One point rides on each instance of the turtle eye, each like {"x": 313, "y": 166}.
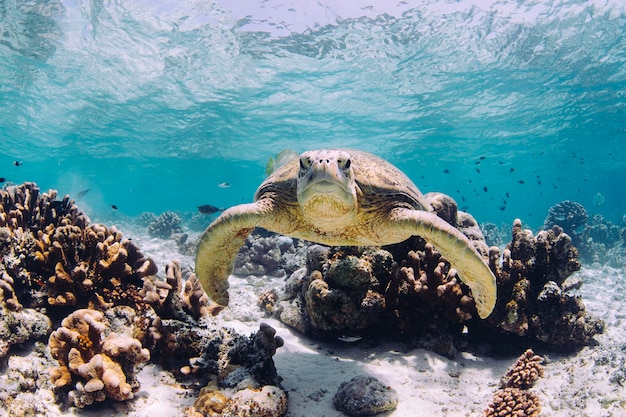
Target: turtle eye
{"x": 305, "y": 162}
{"x": 347, "y": 164}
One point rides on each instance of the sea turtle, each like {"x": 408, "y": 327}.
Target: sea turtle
{"x": 338, "y": 197}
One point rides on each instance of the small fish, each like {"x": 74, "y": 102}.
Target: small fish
{"x": 507, "y": 195}
{"x": 82, "y": 193}
{"x": 512, "y": 170}
{"x": 521, "y": 181}
{"x": 224, "y": 185}
{"x": 113, "y": 206}
{"x": 17, "y": 163}
{"x": 477, "y": 162}
{"x": 485, "y": 189}
{"x": 502, "y": 208}
{"x": 478, "y": 170}
{"x": 446, "y": 171}
{"x": 208, "y": 209}
{"x": 349, "y": 339}
{"x": 481, "y": 158}
{"x": 2, "y": 179}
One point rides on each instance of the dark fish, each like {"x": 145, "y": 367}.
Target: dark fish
{"x": 447, "y": 171}
{"x": 2, "y": 179}
{"x": 507, "y": 195}
{"x": 481, "y": 158}
{"x": 478, "y": 170}
{"x": 512, "y": 170}
{"x": 57, "y": 205}
{"x": 477, "y": 162}
{"x": 113, "y": 206}
{"x": 82, "y": 193}
{"x": 485, "y": 189}
{"x": 502, "y": 208}
{"x": 17, "y": 163}
{"x": 521, "y": 181}
{"x": 209, "y": 209}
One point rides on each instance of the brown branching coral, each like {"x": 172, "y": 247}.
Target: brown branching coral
{"x": 525, "y": 372}
{"x": 513, "y": 398}
{"x": 534, "y": 296}
{"x": 52, "y": 257}
{"x": 99, "y": 362}
{"x": 513, "y": 402}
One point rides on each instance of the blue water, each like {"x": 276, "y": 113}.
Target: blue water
{"x": 152, "y": 104}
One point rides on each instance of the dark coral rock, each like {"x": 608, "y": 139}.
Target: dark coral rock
{"x": 220, "y": 352}
{"x": 572, "y": 217}
{"x": 534, "y": 296}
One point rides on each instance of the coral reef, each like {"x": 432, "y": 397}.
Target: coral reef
{"x": 571, "y": 217}
{"x": 115, "y": 312}
{"x": 165, "y": 225}
{"x": 410, "y": 289}
{"x": 535, "y": 296}
{"x": 98, "y": 362}
{"x": 52, "y": 257}
{"x": 267, "y": 253}
{"x": 365, "y": 396}
{"x": 513, "y": 398}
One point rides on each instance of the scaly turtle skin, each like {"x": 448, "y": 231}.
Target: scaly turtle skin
{"x": 338, "y": 197}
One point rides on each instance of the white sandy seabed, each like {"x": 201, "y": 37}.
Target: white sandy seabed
{"x": 583, "y": 384}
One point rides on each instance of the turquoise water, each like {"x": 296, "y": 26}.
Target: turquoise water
{"x": 152, "y": 104}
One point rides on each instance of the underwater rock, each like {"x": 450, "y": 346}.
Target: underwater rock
{"x": 365, "y": 396}
{"x": 99, "y": 362}
{"x": 25, "y": 388}
{"x": 165, "y": 225}
{"x": 21, "y": 326}
{"x": 267, "y": 401}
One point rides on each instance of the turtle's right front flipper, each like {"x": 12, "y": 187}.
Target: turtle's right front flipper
{"x": 219, "y": 244}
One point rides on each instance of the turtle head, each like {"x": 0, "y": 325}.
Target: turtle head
{"x": 326, "y": 188}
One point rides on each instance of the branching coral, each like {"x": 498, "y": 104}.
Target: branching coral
{"x": 513, "y": 398}
{"x": 513, "y": 402}
{"x": 100, "y": 363}
{"x": 534, "y": 294}
{"x": 525, "y": 371}
{"x": 52, "y": 257}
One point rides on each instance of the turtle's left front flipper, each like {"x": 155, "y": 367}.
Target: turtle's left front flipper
{"x": 218, "y": 247}
{"x": 456, "y": 248}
